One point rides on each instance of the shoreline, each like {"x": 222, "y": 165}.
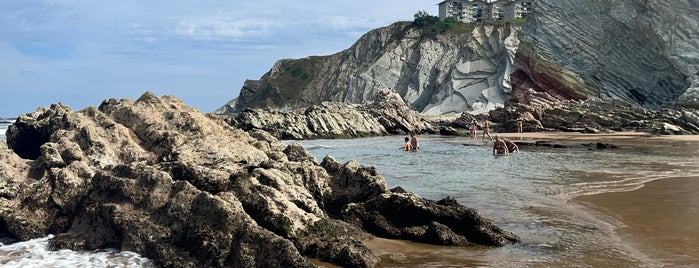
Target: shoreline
{"x": 625, "y": 137}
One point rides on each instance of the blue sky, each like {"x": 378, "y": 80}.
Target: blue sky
{"x": 80, "y": 52}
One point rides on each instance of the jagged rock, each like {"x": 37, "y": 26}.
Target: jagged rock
{"x": 594, "y": 116}
{"x": 386, "y": 114}
{"x": 157, "y": 177}
{"x": 407, "y": 216}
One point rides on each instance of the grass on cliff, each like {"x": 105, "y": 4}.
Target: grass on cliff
{"x": 295, "y": 75}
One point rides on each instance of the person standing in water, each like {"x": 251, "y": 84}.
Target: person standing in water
{"x": 519, "y": 125}
{"x": 413, "y": 141}
{"x": 511, "y": 146}
{"x": 408, "y": 146}
{"x": 474, "y": 129}
{"x": 486, "y": 130}
{"x": 500, "y": 147}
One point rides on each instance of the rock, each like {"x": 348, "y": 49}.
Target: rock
{"x": 595, "y": 116}
{"x": 159, "y": 178}
{"x": 448, "y": 131}
{"x": 407, "y": 216}
{"x": 386, "y": 114}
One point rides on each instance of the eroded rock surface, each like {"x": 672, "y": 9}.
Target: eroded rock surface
{"x": 385, "y": 114}
{"x": 185, "y": 189}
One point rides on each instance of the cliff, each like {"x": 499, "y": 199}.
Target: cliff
{"x": 642, "y": 52}
{"x": 434, "y": 73}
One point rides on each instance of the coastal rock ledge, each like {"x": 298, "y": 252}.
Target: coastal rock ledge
{"x": 185, "y": 189}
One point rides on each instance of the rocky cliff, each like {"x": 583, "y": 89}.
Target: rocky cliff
{"x": 157, "y": 177}
{"x": 642, "y": 52}
{"x": 433, "y": 73}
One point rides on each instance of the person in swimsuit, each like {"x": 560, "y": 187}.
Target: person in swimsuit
{"x": 519, "y": 125}
{"x": 474, "y": 129}
{"x": 511, "y": 146}
{"x": 486, "y": 130}
{"x": 407, "y": 145}
{"x": 414, "y": 142}
{"x": 500, "y": 147}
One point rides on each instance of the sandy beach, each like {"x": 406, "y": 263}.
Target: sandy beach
{"x": 625, "y": 137}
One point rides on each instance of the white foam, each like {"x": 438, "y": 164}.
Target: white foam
{"x": 36, "y": 253}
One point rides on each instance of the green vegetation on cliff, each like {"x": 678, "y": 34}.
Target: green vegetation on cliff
{"x": 432, "y": 25}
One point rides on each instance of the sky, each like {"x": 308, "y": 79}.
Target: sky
{"x": 81, "y": 52}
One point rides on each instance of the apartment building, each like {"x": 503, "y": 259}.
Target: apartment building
{"x": 482, "y": 11}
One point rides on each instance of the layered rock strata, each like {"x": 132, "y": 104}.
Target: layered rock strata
{"x": 545, "y": 113}
{"x": 385, "y": 114}
{"x": 185, "y": 189}
{"x": 642, "y": 52}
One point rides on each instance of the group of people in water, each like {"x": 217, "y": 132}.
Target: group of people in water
{"x": 501, "y": 146}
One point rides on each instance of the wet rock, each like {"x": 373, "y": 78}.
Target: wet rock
{"x": 407, "y": 216}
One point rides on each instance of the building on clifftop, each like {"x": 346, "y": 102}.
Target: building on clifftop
{"x": 482, "y": 11}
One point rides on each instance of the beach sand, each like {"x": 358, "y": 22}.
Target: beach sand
{"x": 627, "y": 137}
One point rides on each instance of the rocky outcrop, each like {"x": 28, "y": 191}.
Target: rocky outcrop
{"x": 466, "y": 70}
{"x": 594, "y": 116}
{"x": 159, "y": 178}
{"x": 385, "y": 114}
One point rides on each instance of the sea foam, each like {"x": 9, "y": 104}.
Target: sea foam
{"x": 36, "y": 253}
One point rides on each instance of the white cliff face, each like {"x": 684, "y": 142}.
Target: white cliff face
{"x": 443, "y": 75}
{"x": 437, "y": 74}
{"x": 644, "y": 52}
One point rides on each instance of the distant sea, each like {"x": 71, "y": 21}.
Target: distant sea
{"x": 4, "y": 123}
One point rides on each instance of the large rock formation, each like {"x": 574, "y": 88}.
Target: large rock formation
{"x": 184, "y": 189}
{"x": 434, "y": 74}
{"x": 385, "y": 114}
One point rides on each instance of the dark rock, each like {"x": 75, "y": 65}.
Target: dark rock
{"x": 407, "y": 216}
{"x": 448, "y": 131}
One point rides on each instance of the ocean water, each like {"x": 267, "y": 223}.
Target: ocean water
{"x": 570, "y": 206}
{"x": 4, "y": 123}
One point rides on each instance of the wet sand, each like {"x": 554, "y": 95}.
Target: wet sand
{"x": 661, "y": 219}
{"x": 627, "y": 137}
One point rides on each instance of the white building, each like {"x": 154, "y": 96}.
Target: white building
{"x": 482, "y": 11}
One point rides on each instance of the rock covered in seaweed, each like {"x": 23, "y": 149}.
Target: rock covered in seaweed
{"x": 157, "y": 177}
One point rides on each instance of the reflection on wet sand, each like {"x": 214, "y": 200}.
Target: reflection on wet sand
{"x": 661, "y": 219}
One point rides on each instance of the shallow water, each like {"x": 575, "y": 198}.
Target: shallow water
{"x": 554, "y": 199}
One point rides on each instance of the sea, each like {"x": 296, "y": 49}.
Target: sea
{"x": 4, "y": 123}
{"x": 633, "y": 206}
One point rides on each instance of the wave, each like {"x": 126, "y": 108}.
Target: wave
{"x": 36, "y": 253}
{"x": 622, "y": 185}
